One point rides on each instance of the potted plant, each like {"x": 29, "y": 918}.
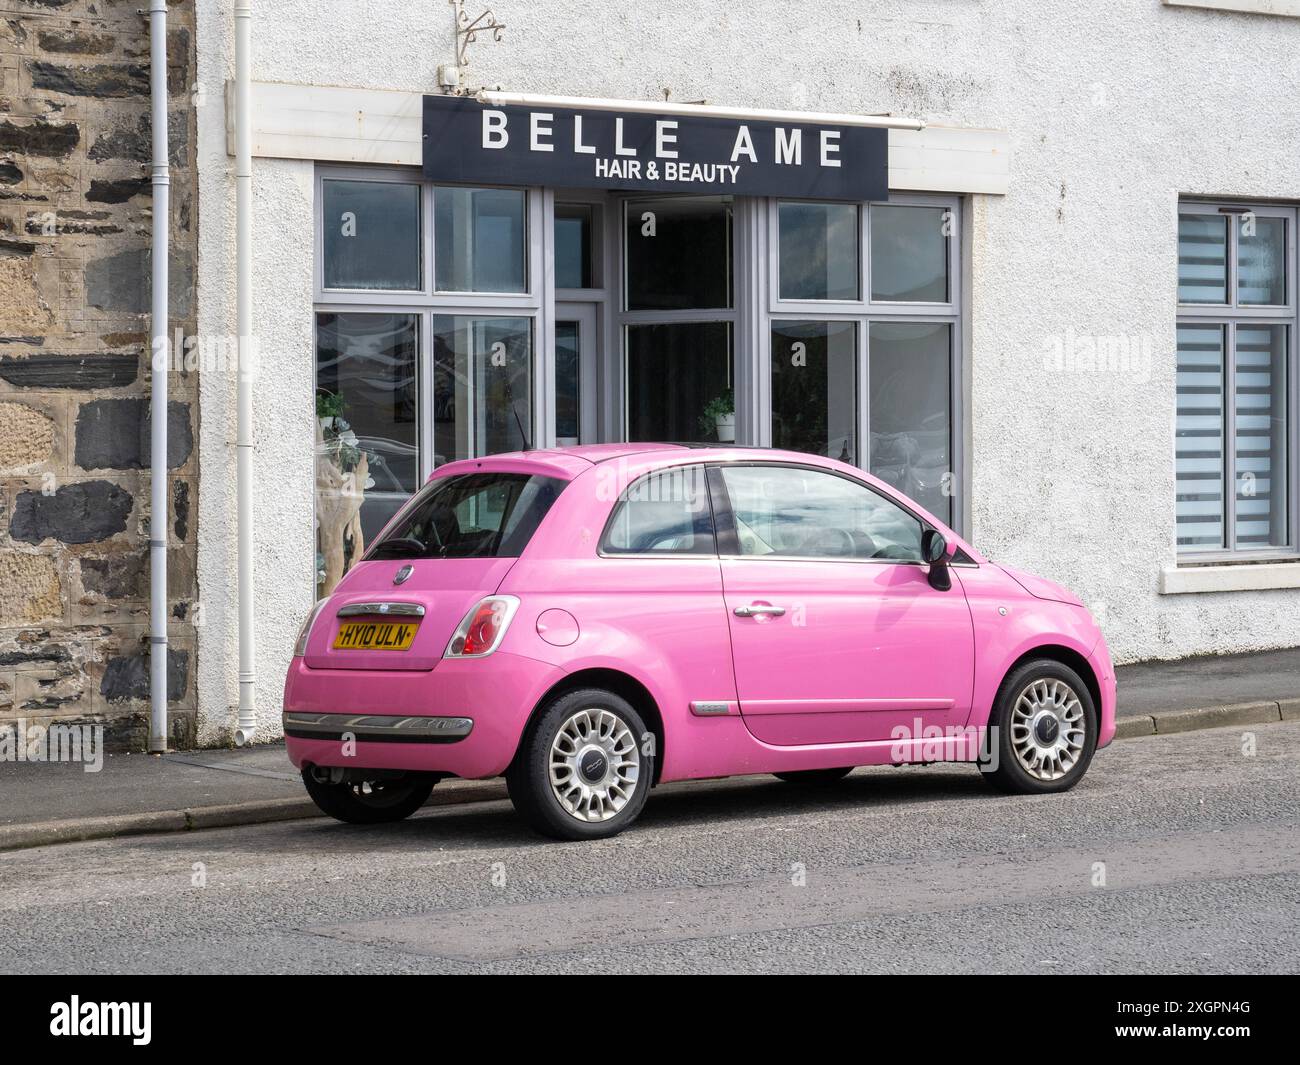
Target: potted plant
{"x": 719, "y": 418}
{"x": 329, "y": 408}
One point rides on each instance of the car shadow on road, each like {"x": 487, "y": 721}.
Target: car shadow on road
{"x": 696, "y": 804}
{"x": 766, "y": 797}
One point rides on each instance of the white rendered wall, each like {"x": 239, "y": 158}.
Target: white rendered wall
{"x": 1114, "y": 108}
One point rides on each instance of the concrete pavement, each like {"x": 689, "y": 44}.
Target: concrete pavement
{"x": 1174, "y": 854}
{"x": 1209, "y": 680}
{"x": 56, "y": 802}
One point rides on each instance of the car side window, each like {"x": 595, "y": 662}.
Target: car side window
{"x": 804, "y": 513}
{"x": 662, "y": 513}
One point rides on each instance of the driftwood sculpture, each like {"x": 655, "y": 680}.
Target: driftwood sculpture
{"x": 339, "y": 495}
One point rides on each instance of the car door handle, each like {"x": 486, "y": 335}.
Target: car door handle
{"x": 754, "y": 609}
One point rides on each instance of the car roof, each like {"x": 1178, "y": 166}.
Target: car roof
{"x": 568, "y": 462}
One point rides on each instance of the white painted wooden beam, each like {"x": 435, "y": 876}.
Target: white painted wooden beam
{"x": 340, "y": 125}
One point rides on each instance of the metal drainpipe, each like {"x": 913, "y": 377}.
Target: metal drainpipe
{"x": 158, "y": 516}
{"x": 247, "y": 724}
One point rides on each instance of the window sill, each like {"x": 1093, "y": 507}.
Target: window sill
{"x": 1232, "y": 577}
{"x": 1290, "y": 8}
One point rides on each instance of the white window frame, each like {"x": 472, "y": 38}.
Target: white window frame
{"x": 427, "y": 303}
{"x": 863, "y": 311}
{"x": 740, "y": 208}
{"x": 1229, "y": 315}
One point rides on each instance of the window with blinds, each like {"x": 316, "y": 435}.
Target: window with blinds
{"x": 1236, "y": 435}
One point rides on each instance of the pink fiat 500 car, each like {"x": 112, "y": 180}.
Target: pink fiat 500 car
{"x": 590, "y": 622}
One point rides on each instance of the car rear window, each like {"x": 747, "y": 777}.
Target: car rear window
{"x": 470, "y": 515}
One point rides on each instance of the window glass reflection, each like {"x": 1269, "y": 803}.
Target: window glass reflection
{"x": 909, "y": 253}
{"x": 574, "y": 239}
{"x": 679, "y": 382}
{"x": 818, "y": 251}
{"x": 678, "y": 254}
{"x": 480, "y": 240}
{"x": 568, "y": 365}
{"x": 910, "y": 376}
{"x": 482, "y": 386}
{"x": 371, "y": 235}
{"x": 814, "y": 388}
{"x": 1261, "y": 261}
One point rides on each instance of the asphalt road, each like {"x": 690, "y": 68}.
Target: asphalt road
{"x": 893, "y": 870}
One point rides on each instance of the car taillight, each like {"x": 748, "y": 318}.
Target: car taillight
{"x": 300, "y": 647}
{"x": 481, "y": 630}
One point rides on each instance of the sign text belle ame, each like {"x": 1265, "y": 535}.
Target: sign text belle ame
{"x": 468, "y": 141}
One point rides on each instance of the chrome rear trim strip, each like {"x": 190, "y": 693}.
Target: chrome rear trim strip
{"x": 399, "y": 610}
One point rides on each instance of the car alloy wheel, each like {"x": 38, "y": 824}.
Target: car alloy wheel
{"x": 1048, "y": 728}
{"x": 594, "y": 765}
{"x": 584, "y": 766}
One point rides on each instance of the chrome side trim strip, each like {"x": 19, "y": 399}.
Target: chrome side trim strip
{"x": 400, "y": 610}
{"x": 710, "y": 709}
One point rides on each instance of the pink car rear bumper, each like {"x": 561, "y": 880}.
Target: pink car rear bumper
{"x": 497, "y": 696}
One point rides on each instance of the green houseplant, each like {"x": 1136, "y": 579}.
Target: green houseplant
{"x": 719, "y": 418}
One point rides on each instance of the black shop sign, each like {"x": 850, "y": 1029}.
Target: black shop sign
{"x": 472, "y": 142}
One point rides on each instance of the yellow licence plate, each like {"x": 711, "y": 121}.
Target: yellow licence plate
{"x": 375, "y": 635}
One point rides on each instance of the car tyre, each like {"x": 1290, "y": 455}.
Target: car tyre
{"x": 374, "y": 802}
{"x": 1047, "y": 727}
{"x": 584, "y": 768}
{"x": 814, "y": 778}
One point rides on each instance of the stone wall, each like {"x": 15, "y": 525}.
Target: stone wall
{"x": 75, "y": 217}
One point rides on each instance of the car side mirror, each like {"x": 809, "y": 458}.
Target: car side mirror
{"x": 934, "y": 551}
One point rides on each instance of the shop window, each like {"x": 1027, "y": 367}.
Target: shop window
{"x": 1236, "y": 435}
{"x": 875, "y": 386}
{"x": 482, "y": 386}
{"x": 814, "y": 388}
{"x": 424, "y": 342}
{"x": 818, "y": 251}
{"x": 575, "y": 239}
{"x": 909, "y": 375}
{"x": 679, "y": 382}
{"x": 480, "y": 240}
{"x": 367, "y": 432}
{"x": 909, "y": 253}
{"x": 371, "y": 235}
{"x": 678, "y": 254}
{"x": 869, "y": 379}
